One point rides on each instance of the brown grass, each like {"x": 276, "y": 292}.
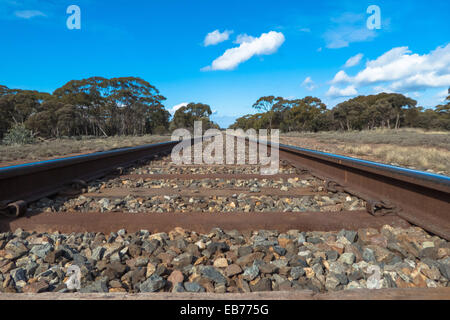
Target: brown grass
{"x": 62, "y": 147}
{"x": 412, "y": 148}
{"x": 400, "y": 137}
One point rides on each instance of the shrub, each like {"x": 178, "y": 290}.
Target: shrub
{"x": 18, "y": 134}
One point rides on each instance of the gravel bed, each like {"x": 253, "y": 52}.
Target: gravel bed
{"x": 245, "y": 202}
{"x": 223, "y": 261}
{"x": 173, "y": 169}
{"x": 283, "y": 184}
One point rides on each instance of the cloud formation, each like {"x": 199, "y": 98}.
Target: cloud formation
{"x": 335, "y": 92}
{"x": 216, "y": 37}
{"x": 309, "y": 84}
{"x": 243, "y": 37}
{"x": 28, "y": 14}
{"x": 267, "y": 43}
{"x": 176, "y": 107}
{"x": 403, "y": 70}
{"x": 353, "y": 61}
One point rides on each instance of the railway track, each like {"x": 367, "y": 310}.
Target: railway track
{"x": 135, "y": 222}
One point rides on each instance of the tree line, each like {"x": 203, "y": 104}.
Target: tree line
{"x": 96, "y": 106}
{"x": 131, "y": 106}
{"x": 384, "y": 110}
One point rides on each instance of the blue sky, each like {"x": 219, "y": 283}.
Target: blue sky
{"x": 229, "y": 53}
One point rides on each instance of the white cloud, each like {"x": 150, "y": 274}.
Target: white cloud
{"x": 267, "y": 43}
{"x": 341, "y": 77}
{"x": 28, "y": 14}
{"x": 176, "y": 107}
{"x": 404, "y": 71}
{"x": 216, "y": 37}
{"x": 380, "y": 89}
{"x": 305, "y": 30}
{"x": 353, "y": 61}
{"x": 243, "y": 37}
{"x": 309, "y": 84}
{"x": 335, "y": 92}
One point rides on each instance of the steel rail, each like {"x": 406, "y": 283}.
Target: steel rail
{"x": 421, "y": 198}
{"x": 31, "y": 181}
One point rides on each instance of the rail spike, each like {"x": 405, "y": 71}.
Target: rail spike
{"x": 379, "y": 208}
{"x": 78, "y": 184}
{"x": 333, "y": 186}
{"x": 13, "y": 209}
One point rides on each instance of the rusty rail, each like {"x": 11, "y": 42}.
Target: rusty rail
{"x": 421, "y": 198}
{"x": 29, "y": 182}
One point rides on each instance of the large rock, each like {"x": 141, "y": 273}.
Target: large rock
{"x": 42, "y": 250}
{"x": 19, "y": 274}
{"x": 369, "y": 255}
{"x": 115, "y": 270}
{"x": 220, "y": 263}
{"x": 193, "y": 287}
{"x": 152, "y": 284}
{"x": 251, "y": 273}
{"x": 182, "y": 260}
{"x": 15, "y": 249}
{"x": 97, "y": 253}
{"x": 175, "y": 277}
{"x": 53, "y": 256}
{"x": 244, "y": 251}
{"x": 99, "y": 285}
{"x": 249, "y": 258}
{"x": 347, "y": 258}
{"x": 263, "y": 284}
{"x": 212, "y": 274}
{"x": 297, "y": 272}
{"x": 36, "y": 287}
{"x": 444, "y": 268}
{"x": 331, "y": 282}
{"x": 217, "y": 246}
{"x": 268, "y": 268}
{"x": 111, "y": 248}
{"x": 232, "y": 270}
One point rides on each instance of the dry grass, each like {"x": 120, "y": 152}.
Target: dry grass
{"x": 400, "y": 137}
{"x": 413, "y": 157}
{"x": 412, "y": 148}
{"x": 61, "y": 147}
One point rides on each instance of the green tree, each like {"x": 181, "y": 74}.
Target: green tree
{"x": 121, "y": 106}
{"x": 17, "y": 105}
{"x": 185, "y": 116}
{"x": 303, "y": 114}
{"x": 267, "y": 104}
{"x": 444, "y": 109}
